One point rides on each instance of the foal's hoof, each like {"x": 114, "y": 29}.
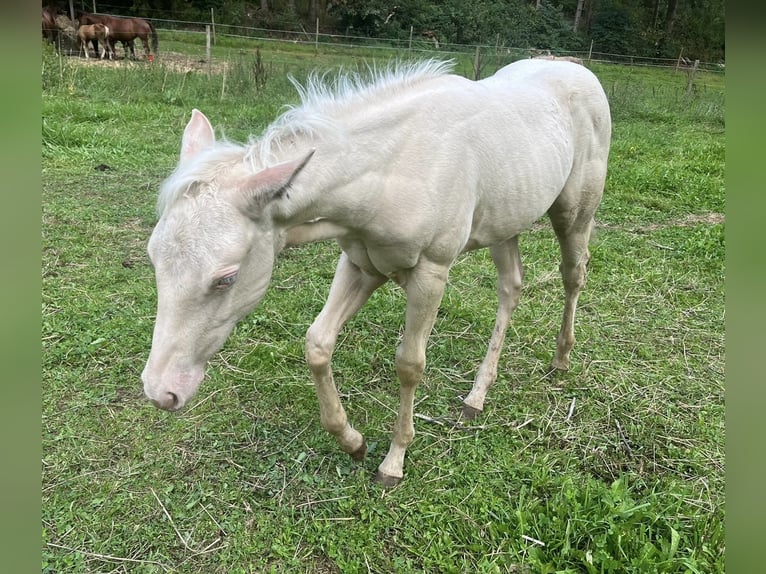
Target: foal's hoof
{"x": 559, "y": 365}
{"x": 359, "y": 454}
{"x": 386, "y": 480}
{"x": 470, "y": 413}
{"x": 555, "y": 370}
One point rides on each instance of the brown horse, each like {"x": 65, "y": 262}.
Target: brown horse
{"x": 124, "y": 30}
{"x": 94, "y": 33}
{"x": 50, "y": 30}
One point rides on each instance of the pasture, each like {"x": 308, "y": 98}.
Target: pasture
{"x": 615, "y": 466}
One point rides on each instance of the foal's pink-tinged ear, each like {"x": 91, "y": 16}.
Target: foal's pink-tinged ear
{"x": 260, "y": 188}
{"x": 198, "y": 135}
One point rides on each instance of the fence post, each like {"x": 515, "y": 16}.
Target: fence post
{"x": 590, "y": 51}
{"x": 690, "y": 79}
{"x": 409, "y": 47}
{"x": 678, "y": 62}
{"x": 477, "y": 63}
{"x": 212, "y": 22}
{"x": 316, "y": 39}
{"x": 207, "y": 49}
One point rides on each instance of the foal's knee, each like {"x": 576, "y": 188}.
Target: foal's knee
{"x": 318, "y": 350}
{"x": 409, "y": 367}
{"x": 573, "y": 275}
{"x": 510, "y": 291}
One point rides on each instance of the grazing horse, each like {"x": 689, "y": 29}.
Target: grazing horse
{"x": 124, "y": 30}
{"x": 405, "y": 173}
{"x": 50, "y": 29}
{"x": 94, "y": 33}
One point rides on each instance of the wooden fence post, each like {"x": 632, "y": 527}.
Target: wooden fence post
{"x": 212, "y": 22}
{"x": 690, "y": 76}
{"x": 207, "y": 49}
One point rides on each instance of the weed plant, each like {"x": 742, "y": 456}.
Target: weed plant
{"x": 616, "y": 466}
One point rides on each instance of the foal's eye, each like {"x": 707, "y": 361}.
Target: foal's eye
{"x": 225, "y": 282}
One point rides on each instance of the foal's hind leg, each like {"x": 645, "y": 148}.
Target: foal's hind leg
{"x": 509, "y": 276}
{"x": 573, "y": 232}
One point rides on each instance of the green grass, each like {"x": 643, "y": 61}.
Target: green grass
{"x": 616, "y": 466}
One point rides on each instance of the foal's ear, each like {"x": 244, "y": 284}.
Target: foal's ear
{"x": 271, "y": 183}
{"x": 197, "y": 136}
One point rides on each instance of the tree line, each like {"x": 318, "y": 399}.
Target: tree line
{"x": 645, "y": 28}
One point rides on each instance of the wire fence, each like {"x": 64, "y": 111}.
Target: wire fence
{"x": 419, "y": 44}
{"x": 415, "y": 44}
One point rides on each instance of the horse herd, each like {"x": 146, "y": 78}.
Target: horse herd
{"x": 92, "y": 29}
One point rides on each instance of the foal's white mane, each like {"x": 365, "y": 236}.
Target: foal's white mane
{"x": 323, "y": 100}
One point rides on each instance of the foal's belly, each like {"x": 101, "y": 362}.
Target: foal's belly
{"x": 377, "y": 259}
{"x": 504, "y": 214}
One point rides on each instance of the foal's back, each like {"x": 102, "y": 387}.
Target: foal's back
{"x": 510, "y": 143}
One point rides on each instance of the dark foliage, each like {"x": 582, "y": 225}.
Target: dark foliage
{"x": 656, "y": 28}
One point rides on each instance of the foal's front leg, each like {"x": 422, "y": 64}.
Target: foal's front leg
{"x": 351, "y": 288}
{"x": 424, "y": 286}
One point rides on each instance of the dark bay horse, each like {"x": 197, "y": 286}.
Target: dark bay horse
{"x": 50, "y": 29}
{"x": 124, "y": 30}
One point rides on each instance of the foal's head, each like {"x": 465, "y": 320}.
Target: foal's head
{"x": 213, "y": 251}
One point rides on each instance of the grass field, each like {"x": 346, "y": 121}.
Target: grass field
{"x": 616, "y": 466}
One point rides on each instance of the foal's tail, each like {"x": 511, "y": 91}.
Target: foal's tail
{"x": 155, "y": 40}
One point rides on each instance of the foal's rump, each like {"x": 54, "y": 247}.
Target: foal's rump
{"x": 533, "y": 125}
{"x": 585, "y": 123}
{"x": 561, "y": 91}
{"x": 555, "y": 103}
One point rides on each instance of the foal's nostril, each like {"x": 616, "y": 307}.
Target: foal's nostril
{"x": 169, "y": 403}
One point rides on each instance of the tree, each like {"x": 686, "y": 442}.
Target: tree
{"x": 670, "y": 18}
{"x": 578, "y": 14}
{"x": 636, "y": 27}
{"x": 614, "y": 29}
{"x": 700, "y": 28}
